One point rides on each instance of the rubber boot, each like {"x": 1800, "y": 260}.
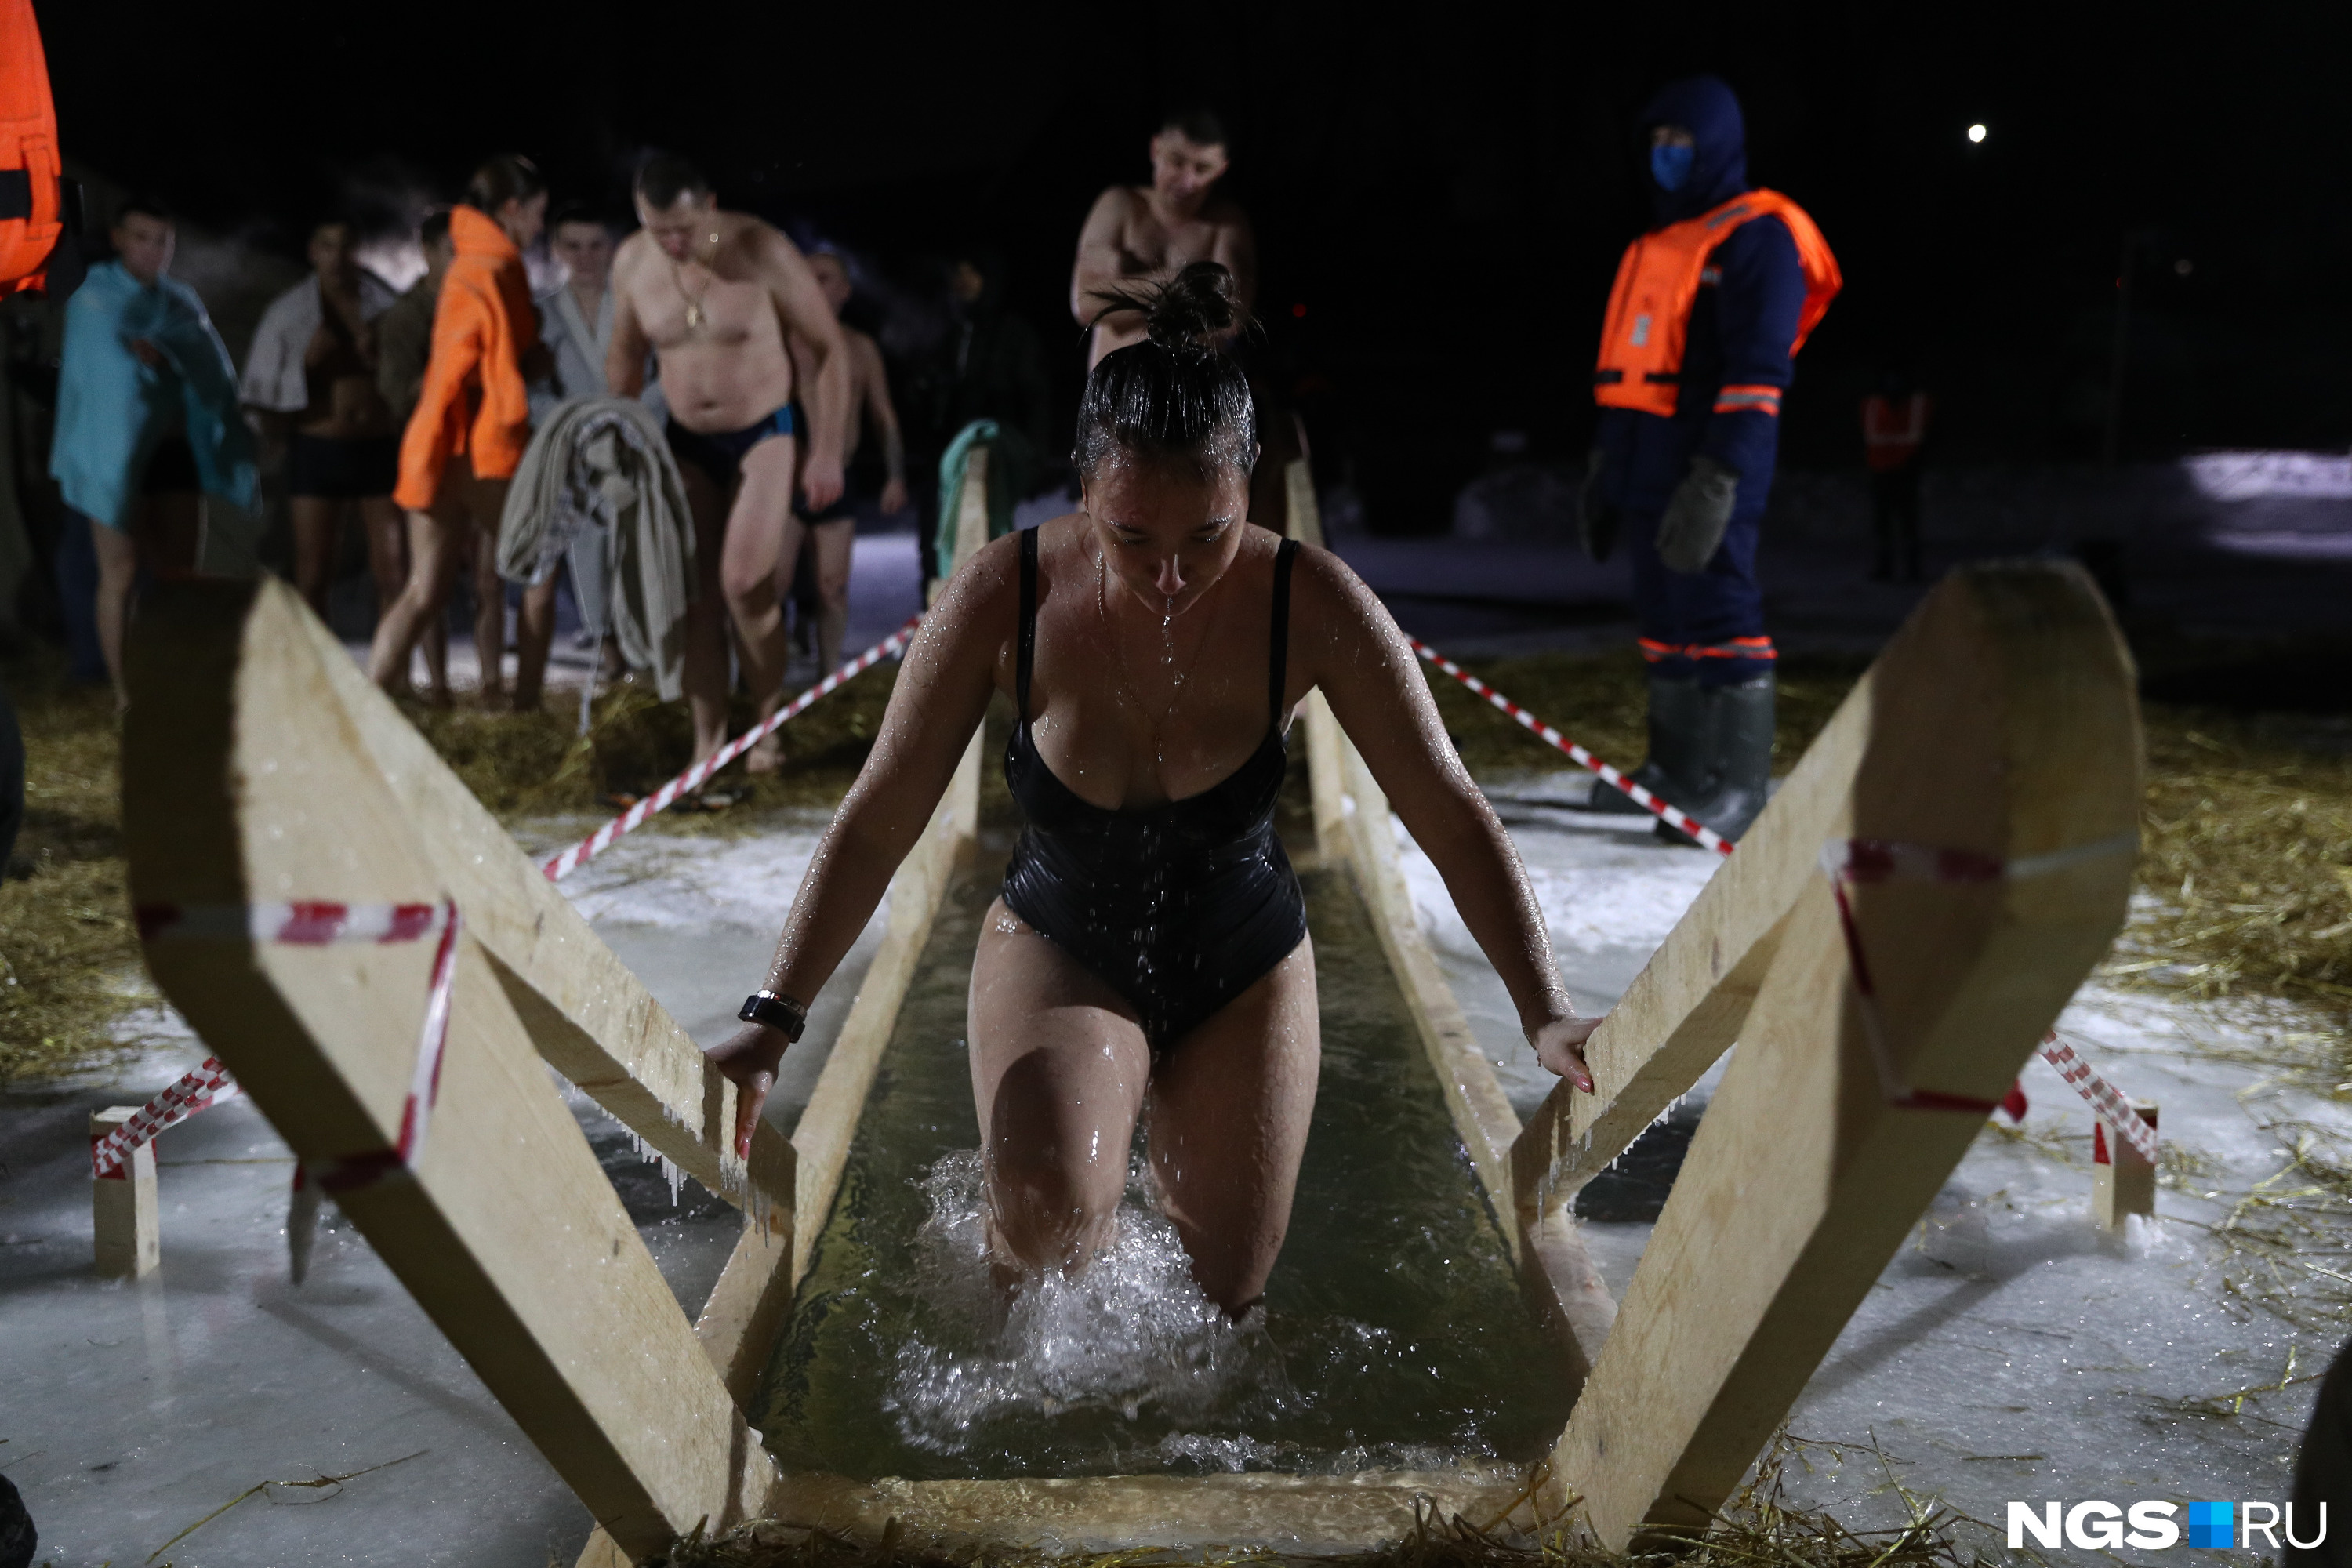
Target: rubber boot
{"x": 1676, "y": 770}
{"x": 1740, "y": 734}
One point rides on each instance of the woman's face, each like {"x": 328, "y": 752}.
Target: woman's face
{"x": 522, "y": 217}
{"x": 1165, "y": 534}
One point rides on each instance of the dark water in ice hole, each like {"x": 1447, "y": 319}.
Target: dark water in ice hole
{"x": 1393, "y": 1333}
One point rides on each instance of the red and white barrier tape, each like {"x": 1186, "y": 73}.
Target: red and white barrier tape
{"x": 208, "y": 1083}
{"x": 596, "y": 843}
{"x": 315, "y": 923}
{"x": 2105, "y": 1100}
{"x": 1870, "y": 860}
{"x": 1876, "y": 860}
{"x": 1672, "y": 815}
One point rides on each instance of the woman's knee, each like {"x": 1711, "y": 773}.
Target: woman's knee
{"x": 747, "y": 587}
{"x": 1052, "y": 1210}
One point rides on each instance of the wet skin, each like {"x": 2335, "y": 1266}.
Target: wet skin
{"x": 1150, "y": 686}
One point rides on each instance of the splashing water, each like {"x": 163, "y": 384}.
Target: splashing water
{"x": 1132, "y": 1331}
{"x": 1393, "y": 1335}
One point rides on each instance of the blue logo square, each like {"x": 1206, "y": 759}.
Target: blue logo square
{"x": 2210, "y": 1524}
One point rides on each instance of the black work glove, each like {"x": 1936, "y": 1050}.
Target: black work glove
{"x": 1596, "y": 519}
{"x": 1696, "y": 514}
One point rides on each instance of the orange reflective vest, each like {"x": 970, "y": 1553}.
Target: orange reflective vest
{"x": 1889, "y": 441}
{"x": 30, "y": 221}
{"x": 1648, "y": 323}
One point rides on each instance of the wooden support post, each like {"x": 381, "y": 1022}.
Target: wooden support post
{"x": 242, "y": 785}
{"x": 593, "y": 1020}
{"x": 2122, "y": 1179}
{"x": 128, "y": 1243}
{"x": 1999, "y": 726}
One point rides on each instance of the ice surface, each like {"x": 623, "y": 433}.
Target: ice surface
{"x": 2007, "y": 1351}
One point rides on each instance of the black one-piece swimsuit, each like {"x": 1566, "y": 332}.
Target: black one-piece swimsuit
{"x": 1180, "y": 908}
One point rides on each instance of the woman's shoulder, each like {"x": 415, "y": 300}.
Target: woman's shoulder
{"x": 983, "y": 584}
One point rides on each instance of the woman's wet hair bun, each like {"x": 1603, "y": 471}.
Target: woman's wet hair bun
{"x": 1177, "y": 396}
{"x": 1195, "y": 309}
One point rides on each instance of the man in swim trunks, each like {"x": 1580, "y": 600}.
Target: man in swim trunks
{"x": 713, "y": 294}
{"x": 831, "y": 530}
{"x": 1148, "y": 234}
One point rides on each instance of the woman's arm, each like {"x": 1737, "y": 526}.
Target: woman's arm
{"x": 943, "y": 692}
{"x": 1369, "y": 674}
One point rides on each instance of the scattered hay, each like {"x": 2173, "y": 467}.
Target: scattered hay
{"x": 2248, "y": 865}
{"x": 1757, "y": 1527}
{"x": 2286, "y": 1243}
{"x": 68, "y": 958}
{"x": 521, "y": 763}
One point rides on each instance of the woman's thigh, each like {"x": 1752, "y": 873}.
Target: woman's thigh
{"x": 1058, "y": 1071}
{"x": 1230, "y": 1108}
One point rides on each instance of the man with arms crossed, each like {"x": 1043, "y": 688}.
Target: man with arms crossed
{"x": 1138, "y": 233}
{"x": 713, "y": 294}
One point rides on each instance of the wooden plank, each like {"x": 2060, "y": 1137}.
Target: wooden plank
{"x": 822, "y": 1139}
{"x": 127, "y": 1241}
{"x": 244, "y": 782}
{"x": 751, "y": 1303}
{"x": 1481, "y": 1110}
{"x": 971, "y": 511}
{"x": 1353, "y": 827}
{"x": 1683, "y": 1011}
{"x": 1184, "y": 1513}
{"x": 593, "y": 1020}
{"x": 748, "y": 1306}
{"x": 2000, "y": 724}
{"x": 1326, "y": 772}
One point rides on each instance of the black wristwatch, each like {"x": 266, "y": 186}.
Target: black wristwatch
{"x": 778, "y": 1011}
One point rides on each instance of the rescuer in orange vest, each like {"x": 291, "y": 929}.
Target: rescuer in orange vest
{"x": 1696, "y": 350}
{"x": 1894, "y": 428}
{"x": 33, "y": 202}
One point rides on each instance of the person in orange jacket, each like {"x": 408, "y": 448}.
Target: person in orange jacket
{"x": 472, "y": 420}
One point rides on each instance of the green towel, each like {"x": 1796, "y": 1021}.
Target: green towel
{"x": 1010, "y": 470}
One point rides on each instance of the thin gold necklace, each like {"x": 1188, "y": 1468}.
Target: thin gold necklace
{"x": 1127, "y": 683}
{"x": 696, "y": 316}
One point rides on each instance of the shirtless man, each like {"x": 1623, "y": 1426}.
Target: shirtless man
{"x": 832, "y": 529}
{"x": 1138, "y": 233}
{"x": 713, "y": 294}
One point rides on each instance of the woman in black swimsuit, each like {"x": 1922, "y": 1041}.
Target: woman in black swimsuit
{"x": 1151, "y": 942}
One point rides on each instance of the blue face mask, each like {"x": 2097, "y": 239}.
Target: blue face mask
{"x": 1670, "y": 165}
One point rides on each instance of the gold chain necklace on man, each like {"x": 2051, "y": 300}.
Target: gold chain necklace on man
{"x": 1183, "y": 680}
{"x": 696, "y": 316}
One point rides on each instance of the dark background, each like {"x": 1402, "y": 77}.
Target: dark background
{"x": 1444, "y": 189}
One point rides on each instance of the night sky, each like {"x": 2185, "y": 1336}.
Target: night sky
{"x": 1444, "y": 188}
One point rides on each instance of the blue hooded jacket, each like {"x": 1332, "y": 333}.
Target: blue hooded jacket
{"x": 114, "y": 410}
{"x": 1741, "y": 325}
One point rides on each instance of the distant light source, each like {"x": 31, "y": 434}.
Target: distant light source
{"x": 2184, "y": 266}
{"x": 1976, "y": 132}
{"x": 1299, "y": 309}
